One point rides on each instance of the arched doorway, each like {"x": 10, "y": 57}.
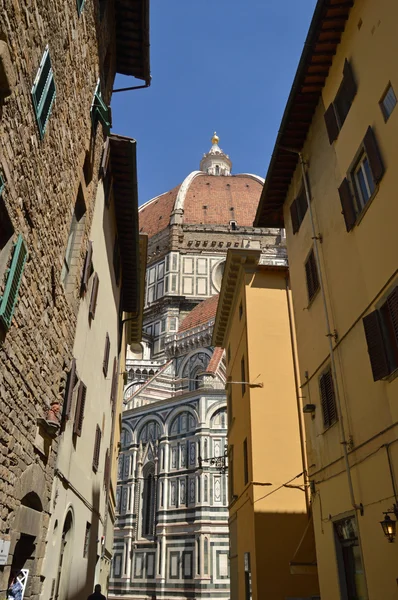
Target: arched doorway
{"x": 65, "y": 555}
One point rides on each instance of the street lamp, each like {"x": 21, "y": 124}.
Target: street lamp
{"x": 389, "y": 525}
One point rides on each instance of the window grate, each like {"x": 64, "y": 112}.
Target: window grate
{"x": 14, "y": 277}
{"x": 43, "y": 92}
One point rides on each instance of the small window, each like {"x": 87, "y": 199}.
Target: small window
{"x": 388, "y": 102}
{"x": 43, "y": 92}
{"x": 75, "y": 236}
{"x": 298, "y": 209}
{"x": 100, "y": 111}
{"x": 86, "y": 540}
{"x": 311, "y": 273}
{"x": 363, "y": 181}
{"x": 233, "y": 225}
{"x": 217, "y": 170}
{"x": 365, "y": 174}
{"x": 328, "y": 400}
{"x": 97, "y": 448}
{"x": 243, "y": 375}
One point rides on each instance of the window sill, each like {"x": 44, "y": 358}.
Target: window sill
{"x": 310, "y": 303}
{"x": 329, "y": 427}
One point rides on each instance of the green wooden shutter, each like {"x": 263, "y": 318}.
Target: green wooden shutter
{"x": 13, "y": 282}
{"x": 80, "y": 5}
{"x": 43, "y": 92}
{"x": 100, "y": 111}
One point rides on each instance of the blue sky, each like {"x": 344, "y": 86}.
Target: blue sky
{"x": 216, "y": 65}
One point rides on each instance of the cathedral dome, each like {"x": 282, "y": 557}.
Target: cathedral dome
{"x": 211, "y": 196}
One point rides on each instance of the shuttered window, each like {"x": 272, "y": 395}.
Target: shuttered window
{"x": 43, "y": 92}
{"x": 107, "y": 469}
{"x": 71, "y": 382}
{"x": 79, "y": 413}
{"x": 298, "y": 210}
{"x": 106, "y": 355}
{"x": 80, "y": 5}
{"x": 100, "y": 111}
{"x": 338, "y": 110}
{"x": 94, "y": 296}
{"x": 311, "y": 273}
{"x": 87, "y": 268}
{"x": 9, "y": 298}
{"x": 97, "y": 448}
{"x": 381, "y": 332}
{"x": 328, "y": 400}
{"x": 114, "y": 384}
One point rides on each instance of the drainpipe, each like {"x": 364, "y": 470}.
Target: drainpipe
{"x": 297, "y": 388}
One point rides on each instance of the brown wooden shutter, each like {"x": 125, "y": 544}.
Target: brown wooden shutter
{"x": 392, "y": 303}
{"x": 106, "y": 355}
{"x": 373, "y": 154}
{"x": 114, "y": 383}
{"x": 87, "y": 267}
{"x": 376, "y": 347}
{"x": 302, "y": 205}
{"x": 69, "y": 389}
{"x": 311, "y": 273}
{"x": 328, "y": 400}
{"x": 106, "y": 468}
{"x": 94, "y": 295}
{"x": 79, "y": 414}
{"x": 350, "y": 86}
{"x": 97, "y": 448}
{"x": 294, "y": 216}
{"x": 331, "y": 123}
{"x": 347, "y": 204}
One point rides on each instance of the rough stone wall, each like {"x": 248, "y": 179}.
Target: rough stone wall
{"x": 42, "y": 179}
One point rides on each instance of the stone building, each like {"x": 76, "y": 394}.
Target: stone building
{"x": 57, "y": 67}
{"x": 171, "y": 534}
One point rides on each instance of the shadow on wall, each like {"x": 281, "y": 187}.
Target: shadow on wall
{"x": 278, "y": 536}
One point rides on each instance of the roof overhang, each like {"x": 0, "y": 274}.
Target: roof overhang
{"x": 236, "y": 258}
{"x": 124, "y": 173}
{"x": 134, "y": 324}
{"x": 132, "y": 38}
{"x": 324, "y": 35}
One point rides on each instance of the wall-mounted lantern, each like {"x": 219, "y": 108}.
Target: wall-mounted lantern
{"x": 389, "y": 525}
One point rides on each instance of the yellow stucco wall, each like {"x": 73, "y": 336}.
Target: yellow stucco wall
{"x": 358, "y": 269}
{"x": 267, "y": 522}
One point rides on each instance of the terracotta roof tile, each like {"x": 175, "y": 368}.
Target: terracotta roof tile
{"x": 201, "y": 314}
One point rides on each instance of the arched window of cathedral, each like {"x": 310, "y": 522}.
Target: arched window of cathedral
{"x": 149, "y": 432}
{"x": 217, "y": 170}
{"x": 219, "y": 419}
{"x": 206, "y": 490}
{"x": 206, "y": 556}
{"x": 198, "y": 556}
{"x": 184, "y": 422}
{"x": 148, "y": 500}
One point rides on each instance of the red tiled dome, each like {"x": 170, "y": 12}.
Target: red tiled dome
{"x": 205, "y": 199}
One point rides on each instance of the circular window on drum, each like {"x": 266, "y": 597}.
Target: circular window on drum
{"x": 217, "y": 274}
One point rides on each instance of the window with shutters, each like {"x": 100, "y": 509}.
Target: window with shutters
{"x": 311, "y": 274}
{"x": 105, "y": 363}
{"x": 80, "y": 5}
{"x": 43, "y": 92}
{"x": 328, "y": 400}
{"x": 100, "y": 111}
{"x": 388, "y": 102}
{"x": 73, "y": 245}
{"x": 70, "y": 386}
{"x": 298, "y": 209}
{"x": 381, "y": 333}
{"x": 79, "y": 412}
{"x": 361, "y": 185}
{"x": 94, "y": 296}
{"x": 338, "y": 110}
{"x": 97, "y": 448}
{"x": 12, "y": 265}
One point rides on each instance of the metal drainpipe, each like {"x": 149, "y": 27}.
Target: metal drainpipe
{"x": 297, "y": 388}
{"x": 329, "y": 335}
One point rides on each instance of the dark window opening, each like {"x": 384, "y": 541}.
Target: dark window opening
{"x": 328, "y": 399}
{"x": 311, "y": 273}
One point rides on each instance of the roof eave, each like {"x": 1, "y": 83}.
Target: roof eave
{"x": 132, "y": 39}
